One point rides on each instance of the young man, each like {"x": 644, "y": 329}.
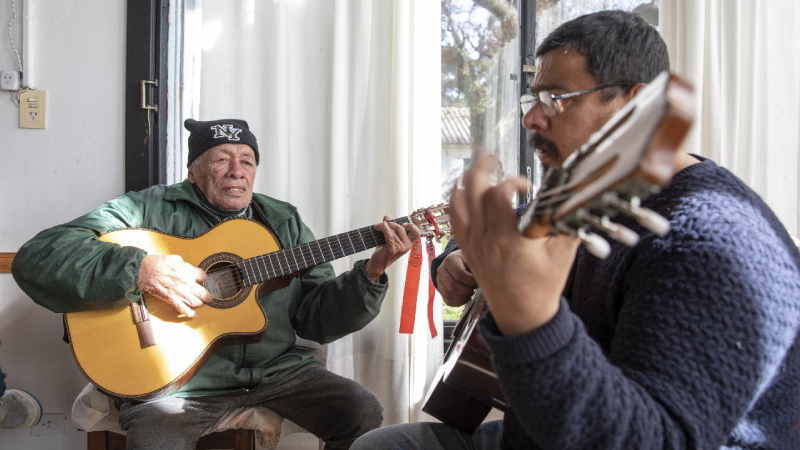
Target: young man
{"x": 685, "y": 341}
{"x": 67, "y": 269}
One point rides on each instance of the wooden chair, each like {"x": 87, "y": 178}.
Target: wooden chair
{"x": 228, "y": 439}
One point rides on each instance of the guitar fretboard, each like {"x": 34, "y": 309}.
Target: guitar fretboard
{"x": 294, "y": 259}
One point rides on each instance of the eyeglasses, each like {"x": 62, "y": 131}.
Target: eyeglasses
{"x": 549, "y": 101}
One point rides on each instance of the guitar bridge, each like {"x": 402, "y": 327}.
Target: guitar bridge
{"x": 142, "y": 320}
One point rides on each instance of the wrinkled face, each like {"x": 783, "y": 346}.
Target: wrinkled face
{"x": 564, "y": 70}
{"x": 225, "y": 175}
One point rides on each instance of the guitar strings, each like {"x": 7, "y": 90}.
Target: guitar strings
{"x": 369, "y": 241}
{"x": 239, "y": 281}
{"x": 360, "y": 232}
{"x": 239, "y": 272}
{"x": 307, "y": 249}
{"x": 285, "y": 265}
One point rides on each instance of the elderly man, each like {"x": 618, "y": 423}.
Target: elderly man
{"x": 66, "y": 268}
{"x": 685, "y": 341}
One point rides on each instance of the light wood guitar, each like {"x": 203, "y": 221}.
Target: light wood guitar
{"x": 149, "y": 350}
{"x": 631, "y": 157}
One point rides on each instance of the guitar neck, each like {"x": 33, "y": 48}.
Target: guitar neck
{"x": 294, "y": 259}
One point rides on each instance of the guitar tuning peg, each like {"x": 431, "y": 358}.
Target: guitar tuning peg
{"x": 594, "y": 244}
{"x": 652, "y": 221}
{"x": 624, "y": 235}
{"x": 645, "y": 217}
{"x": 615, "y": 231}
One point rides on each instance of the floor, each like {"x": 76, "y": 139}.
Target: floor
{"x": 295, "y": 441}
{"x": 298, "y": 441}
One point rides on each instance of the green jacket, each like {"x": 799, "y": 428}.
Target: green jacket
{"x": 66, "y": 269}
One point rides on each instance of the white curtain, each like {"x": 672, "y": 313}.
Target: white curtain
{"x": 344, "y": 98}
{"x": 742, "y": 58}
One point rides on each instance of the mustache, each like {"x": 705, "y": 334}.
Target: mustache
{"x": 538, "y": 142}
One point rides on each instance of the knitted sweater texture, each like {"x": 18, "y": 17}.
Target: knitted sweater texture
{"x": 686, "y": 341}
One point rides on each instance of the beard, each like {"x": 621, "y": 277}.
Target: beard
{"x": 542, "y": 144}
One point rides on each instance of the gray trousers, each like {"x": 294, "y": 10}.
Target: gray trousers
{"x": 335, "y": 409}
{"x": 432, "y": 436}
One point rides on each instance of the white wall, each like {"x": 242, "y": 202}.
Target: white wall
{"x": 77, "y": 54}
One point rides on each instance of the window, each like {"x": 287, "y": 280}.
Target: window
{"x": 145, "y": 86}
{"x": 153, "y": 133}
{"x": 552, "y": 13}
{"x": 480, "y": 89}
{"x": 487, "y": 60}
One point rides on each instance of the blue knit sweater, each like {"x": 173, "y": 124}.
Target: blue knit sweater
{"x": 686, "y": 341}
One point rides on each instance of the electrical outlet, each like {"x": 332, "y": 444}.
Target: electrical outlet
{"x": 9, "y": 80}
{"x": 32, "y": 109}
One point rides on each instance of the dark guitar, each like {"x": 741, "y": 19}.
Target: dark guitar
{"x": 630, "y": 158}
{"x": 148, "y": 349}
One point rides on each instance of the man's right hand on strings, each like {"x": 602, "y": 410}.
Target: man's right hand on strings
{"x": 175, "y": 281}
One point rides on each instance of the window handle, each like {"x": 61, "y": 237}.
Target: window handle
{"x": 144, "y": 95}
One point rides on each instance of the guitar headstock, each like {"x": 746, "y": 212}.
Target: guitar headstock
{"x": 630, "y": 158}
{"x": 433, "y": 222}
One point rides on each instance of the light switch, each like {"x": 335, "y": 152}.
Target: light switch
{"x": 32, "y": 110}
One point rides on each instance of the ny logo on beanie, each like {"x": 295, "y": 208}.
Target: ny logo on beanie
{"x": 204, "y": 135}
{"x": 226, "y": 130}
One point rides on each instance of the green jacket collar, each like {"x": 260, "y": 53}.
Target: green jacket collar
{"x": 277, "y": 212}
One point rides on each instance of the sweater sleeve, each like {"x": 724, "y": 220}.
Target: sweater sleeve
{"x": 703, "y": 328}
{"x": 451, "y": 246}
{"x": 66, "y": 268}
{"x": 330, "y": 306}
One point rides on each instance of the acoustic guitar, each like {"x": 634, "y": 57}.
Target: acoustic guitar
{"x": 149, "y": 350}
{"x": 631, "y": 157}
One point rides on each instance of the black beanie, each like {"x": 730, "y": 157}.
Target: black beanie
{"x": 204, "y": 135}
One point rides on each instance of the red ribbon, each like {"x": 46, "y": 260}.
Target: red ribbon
{"x": 431, "y": 293}
{"x": 409, "y": 308}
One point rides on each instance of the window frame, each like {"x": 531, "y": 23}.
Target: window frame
{"x": 146, "y": 60}
{"x": 528, "y": 164}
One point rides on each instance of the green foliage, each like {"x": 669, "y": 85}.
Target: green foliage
{"x": 451, "y": 313}
{"x": 473, "y": 31}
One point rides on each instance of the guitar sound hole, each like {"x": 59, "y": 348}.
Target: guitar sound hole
{"x": 223, "y": 280}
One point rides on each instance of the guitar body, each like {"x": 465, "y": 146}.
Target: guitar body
{"x": 466, "y": 387}
{"x": 108, "y": 347}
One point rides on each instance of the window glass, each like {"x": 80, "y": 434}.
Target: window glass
{"x": 480, "y": 89}
{"x": 552, "y": 13}
{"x": 480, "y": 63}
{"x": 480, "y": 67}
